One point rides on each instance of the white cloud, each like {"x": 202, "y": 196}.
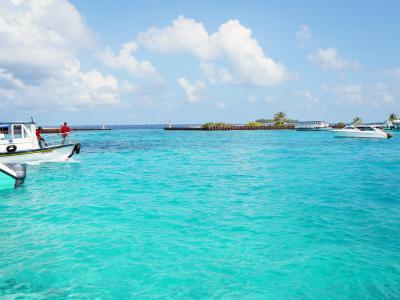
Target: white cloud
{"x": 387, "y": 91}
{"x": 192, "y": 90}
{"x": 330, "y": 59}
{"x": 95, "y": 80}
{"x": 378, "y": 94}
{"x": 8, "y": 80}
{"x": 127, "y": 87}
{"x": 233, "y": 42}
{"x": 35, "y": 38}
{"x": 184, "y": 35}
{"x": 220, "y": 105}
{"x": 269, "y": 99}
{"x": 209, "y": 72}
{"x": 252, "y": 99}
{"x": 249, "y": 63}
{"x": 311, "y": 99}
{"x": 38, "y": 67}
{"x": 71, "y": 88}
{"x": 393, "y": 74}
{"x": 304, "y": 35}
{"x": 351, "y": 93}
{"x": 383, "y": 94}
{"x": 225, "y": 76}
{"x": 214, "y": 74}
{"x": 99, "y": 89}
{"x": 126, "y": 61}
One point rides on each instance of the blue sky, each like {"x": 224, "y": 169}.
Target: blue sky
{"x": 131, "y": 62}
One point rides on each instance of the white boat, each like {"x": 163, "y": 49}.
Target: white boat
{"x": 361, "y": 131}
{"x": 11, "y": 176}
{"x": 312, "y": 125}
{"x": 19, "y": 144}
{"x": 393, "y": 125}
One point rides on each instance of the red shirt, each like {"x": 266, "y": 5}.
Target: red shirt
{"x": 65, "y": 130}
{"x": 38, "y": 134}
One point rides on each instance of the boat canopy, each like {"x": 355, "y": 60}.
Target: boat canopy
{"x": 3, "y": 124}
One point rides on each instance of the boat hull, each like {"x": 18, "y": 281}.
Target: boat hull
{"x": 315, "y": 129}
{"x": 365, "y": 134}
{"x": 11, "y": 176}
{"x": 55, "y": 153}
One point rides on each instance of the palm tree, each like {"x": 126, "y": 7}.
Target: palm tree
{"x": 393, "y": 117}
{"x": 357, "y": 120}
{"x": 280, "y": 118}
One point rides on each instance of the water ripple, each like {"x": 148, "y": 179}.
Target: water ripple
{"x": 207, "y": 215}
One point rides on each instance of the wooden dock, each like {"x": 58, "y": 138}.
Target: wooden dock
{"x": 233, "y": 127}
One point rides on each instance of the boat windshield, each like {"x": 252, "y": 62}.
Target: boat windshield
{"x": 366, "y": 128}
{"x": 15, "y": 131}
{"x": 4, "y": 132}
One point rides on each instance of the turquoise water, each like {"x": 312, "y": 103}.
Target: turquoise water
{"x": 207, "y": 215}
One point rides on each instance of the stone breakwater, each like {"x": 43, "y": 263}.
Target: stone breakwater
{"x": 234, "y": 127}
{"x": 57, "y": 130}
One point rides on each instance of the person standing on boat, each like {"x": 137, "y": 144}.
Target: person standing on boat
{"x": 64, "y": 132}
{"x": 39, "y": 137}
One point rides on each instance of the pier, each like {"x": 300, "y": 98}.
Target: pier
{"x": 233, "y": 127}
{"x": 57, "y": 129}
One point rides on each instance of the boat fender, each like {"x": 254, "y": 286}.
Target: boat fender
{"x": 11, "y": 148}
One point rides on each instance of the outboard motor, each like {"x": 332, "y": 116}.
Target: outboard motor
{"x": 77, "y": 150}
{"x": 20, "y": 171}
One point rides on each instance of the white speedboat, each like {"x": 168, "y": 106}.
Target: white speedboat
{"x": 395, "y": 125}
{"x": 11, "y": 176}
{"x": 361, "y": 131}
{"x": 19, "y": 144}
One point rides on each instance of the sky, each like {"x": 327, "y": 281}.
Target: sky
{"x": 151, "y": 62}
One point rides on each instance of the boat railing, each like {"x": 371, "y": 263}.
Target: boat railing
{"x": 56, "y": 139}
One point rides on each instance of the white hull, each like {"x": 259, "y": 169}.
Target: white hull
{"x": 11, "y": 176}
{"x": 359, "y": 134}
{"x": 315, "y": 129}
{"x": 39, "y": 155}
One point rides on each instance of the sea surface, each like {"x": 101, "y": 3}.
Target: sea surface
{"x": 143, "y": 214}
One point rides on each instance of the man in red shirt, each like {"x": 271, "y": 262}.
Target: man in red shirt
{"x": 39, "y": 137}
{"x": 64, "y": 132}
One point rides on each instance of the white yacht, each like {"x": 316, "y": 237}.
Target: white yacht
{"x": 19, "y": 144}
{"x": 361, "y": 131}
{"x": 312, "y": 125}
{"x": 395, "y": 125}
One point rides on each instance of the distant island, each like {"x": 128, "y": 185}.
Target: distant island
{"x": 280, "y": 122}
{"x": 279, "y": 119}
